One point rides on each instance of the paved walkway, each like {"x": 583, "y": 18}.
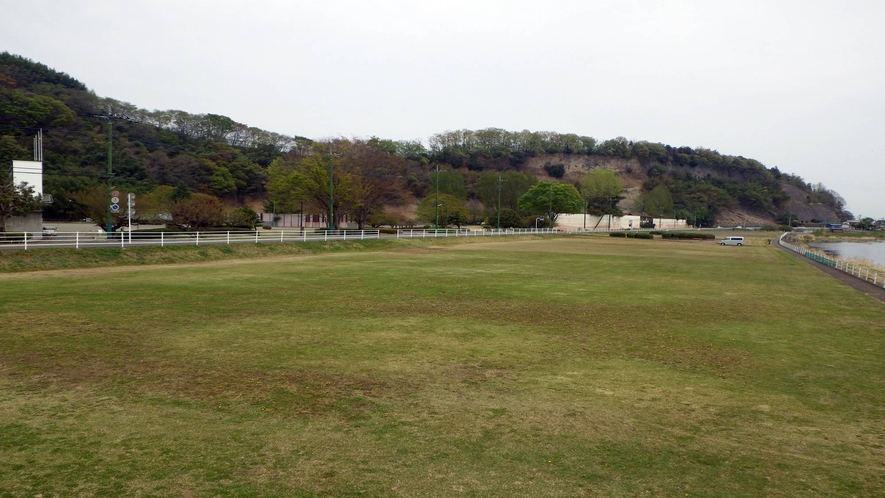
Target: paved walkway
{"x": 854, "y": 282}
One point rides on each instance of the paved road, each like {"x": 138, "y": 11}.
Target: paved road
{"x": 853, "y": 282}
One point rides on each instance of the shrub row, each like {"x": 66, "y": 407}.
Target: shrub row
{"x": 632, "y": 235}
{"x": 689, "y": 235}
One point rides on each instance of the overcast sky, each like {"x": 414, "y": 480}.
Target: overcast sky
{"x": 797, "y": 84}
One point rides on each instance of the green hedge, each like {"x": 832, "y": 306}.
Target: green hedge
{"x": 15, "y": 237}
{"x": 632, "y": 235}
{"x": 689, "y": 235}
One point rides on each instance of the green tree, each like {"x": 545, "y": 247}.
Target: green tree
{"x": 244, "y": 217}
{"x": 602, "y": 189}
{"x": 292, "y": 180}
{"x": 380, "y": 218}
{"x": 555, "y": 170}
{"x": 93, "y": 203}
{"x": 865, "y": 224}
{"x": 448, "y": 205}
{"x": 284, "y": 185}
{"x": 656, "y": 202}
{"x": 457, "y": 218}
{"x": 452, "y": 183}
{"x": 155, "y": 206}
{"x": 551, "y": 200}
{"x": 509, "y": 219}
{"x": 513, "y": 185}
{"x": 375, "y": 175}
{"x": 220, "y": 181}
{"x": 197, "y": 212}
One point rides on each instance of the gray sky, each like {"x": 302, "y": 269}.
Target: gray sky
{"x": 794, "y": 84}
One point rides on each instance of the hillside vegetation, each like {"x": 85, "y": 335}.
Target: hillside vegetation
{"x": 170, "y": 154}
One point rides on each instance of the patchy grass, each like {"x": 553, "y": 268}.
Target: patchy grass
{"x": 533, "y": 367}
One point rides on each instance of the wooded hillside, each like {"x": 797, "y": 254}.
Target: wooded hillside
{"x": 175, "y": 151}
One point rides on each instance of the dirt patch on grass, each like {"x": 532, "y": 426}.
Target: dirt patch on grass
{"x": 297, "y": 392}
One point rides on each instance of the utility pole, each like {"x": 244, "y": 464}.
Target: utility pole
{"x": 550, "y": 214}
{"x": 500, "y": 181}
{"x": 110, "y": 174}
{"x": 331, "y": 191}
{"x": 610, "y": 214}
{"x": 437, "y": 196}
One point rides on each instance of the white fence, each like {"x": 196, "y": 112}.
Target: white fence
{"x": 80, "y": 240}
{"x": 420, "y": 233}
{"x": 446, "y": 232}
{"x": 862, "y": 272}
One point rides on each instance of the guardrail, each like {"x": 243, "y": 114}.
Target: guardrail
{"x": 80, "y": 240}
{"x": 862, "y": 272}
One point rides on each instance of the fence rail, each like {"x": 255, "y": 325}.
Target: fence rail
{"x": 81, "y": 240}
{"x": 862, "y": 272}
{"x": 422, "y": 233}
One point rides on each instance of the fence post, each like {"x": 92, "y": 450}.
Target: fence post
{"x": 281, "y": 235}
{"x": 77, "y": 240}
{"x": 161, "y": 239}
{"x": 26, "y": 240}
{"x": 198, "y": 237}
{"x": 228, "y": 238}
{"x": 256, "y": 236}
{"x": 345, "y": 234}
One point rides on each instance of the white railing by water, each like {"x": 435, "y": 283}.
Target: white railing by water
{"x": 853, "y": 269}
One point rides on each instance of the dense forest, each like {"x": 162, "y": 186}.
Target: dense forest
{"x": 169, "y": 156}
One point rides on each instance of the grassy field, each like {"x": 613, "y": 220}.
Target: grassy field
{"x": 573, "y": 366}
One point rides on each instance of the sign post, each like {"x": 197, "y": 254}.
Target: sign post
{"x": 130, "y": 198}
{"x": 113, "y": 207}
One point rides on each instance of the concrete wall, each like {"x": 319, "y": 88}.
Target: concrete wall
{"x": 30, "y": 223}
{"x": 617, "y": 222}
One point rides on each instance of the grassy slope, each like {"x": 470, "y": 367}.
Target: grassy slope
{"x": 540, "y": 367}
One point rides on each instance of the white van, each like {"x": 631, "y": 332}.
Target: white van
{"x": 732, "y": 241}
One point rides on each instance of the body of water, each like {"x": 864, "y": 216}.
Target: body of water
{"x": 873, "y": 251}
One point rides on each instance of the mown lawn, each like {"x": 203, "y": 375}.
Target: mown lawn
{"x": 583, "y": 366}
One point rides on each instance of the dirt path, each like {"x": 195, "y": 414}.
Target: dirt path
{"x": 854, "y": 282}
